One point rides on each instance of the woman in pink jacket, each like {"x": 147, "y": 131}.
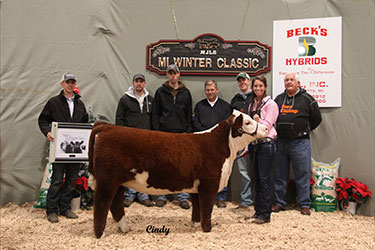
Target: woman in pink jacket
{"x": 265, "y": 111}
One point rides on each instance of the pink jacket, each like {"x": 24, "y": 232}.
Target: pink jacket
{"x": 268, "y": 113}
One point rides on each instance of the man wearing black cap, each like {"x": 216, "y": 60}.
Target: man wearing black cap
{"x": 241, "y": 102}
{"x": 172, "y": 112}
{"x": 65, "y": 107}
{"x": 134, "y": 110}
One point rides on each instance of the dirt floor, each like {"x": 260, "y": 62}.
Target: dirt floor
{"x": 23, "y": 227}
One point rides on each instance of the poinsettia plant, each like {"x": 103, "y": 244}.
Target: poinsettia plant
{"x": 82, "y": 184}
{"x": 352, "y": 190}
{"x": 82, "y": 188}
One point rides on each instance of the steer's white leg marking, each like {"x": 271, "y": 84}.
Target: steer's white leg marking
{"x": 92, "y": 182}
{"x": 124, "y": 227}
{"x": 195, "y": 224}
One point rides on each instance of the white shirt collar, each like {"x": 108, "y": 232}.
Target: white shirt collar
{"x": 212, "y": 103}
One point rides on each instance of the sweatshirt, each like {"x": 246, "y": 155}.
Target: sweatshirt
{"x": 298, "y": 115}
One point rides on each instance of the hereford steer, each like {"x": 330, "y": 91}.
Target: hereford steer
{"x": 158, "y": 163}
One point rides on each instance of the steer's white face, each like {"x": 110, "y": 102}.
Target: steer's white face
{"x": 238, "y": 140}
{"x": 250, "y": 131}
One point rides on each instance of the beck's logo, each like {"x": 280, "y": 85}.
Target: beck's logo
{"x": 306, "y": 46}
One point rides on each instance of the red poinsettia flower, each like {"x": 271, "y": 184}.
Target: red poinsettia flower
{"x": 352, "y": 190}
{"x": 82, "y": 181}
{"x": 76, "y": 90}
{"x": 311, "y": 181}
{"x": 342, "y": 194}
{"x": 361, "y": 188}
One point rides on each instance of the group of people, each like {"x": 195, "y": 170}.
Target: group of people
{"x": 289, "y": 118}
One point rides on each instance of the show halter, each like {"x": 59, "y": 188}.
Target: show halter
{"x": 241, "y": 131}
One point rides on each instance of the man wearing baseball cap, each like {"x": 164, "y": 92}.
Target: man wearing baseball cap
{"x": 65, "y": 107}
{"x": 241, "y": 102}
{"x": 134, "y": 110}
{"x": 172, "y": 112}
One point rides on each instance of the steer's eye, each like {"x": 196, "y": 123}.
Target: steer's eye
{"x": 247, "y": 123}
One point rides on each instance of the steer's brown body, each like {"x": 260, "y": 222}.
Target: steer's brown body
{"x": 160, "y": 163}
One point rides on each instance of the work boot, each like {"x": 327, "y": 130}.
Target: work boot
{"x": 147, "y": 203}
{"x": 242, "y": 207}
{"x": 305, "y": 211}
{"x": 160, "y": 203}
{"x": 70, "y": 215}
{"x": 53, "y": 218}
{"x": 127, "y": 202}
{"x": 260, "y": 221}
{"x": 221, "y": 204}
{"x": 184, "y": 204}
{"x": 254, "y": 216}
{"x": 277, "y": 208}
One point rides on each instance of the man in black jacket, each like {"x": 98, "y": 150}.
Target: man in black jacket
{"x": 298, "y": 115}
{"x": 134, "y": 110}
{"x": 171, "y": 112}
{"x": 207, "y": 113}
{"x": 65, "y": 107}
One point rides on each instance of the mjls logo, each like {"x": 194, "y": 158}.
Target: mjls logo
{"x": 306, "y": 46}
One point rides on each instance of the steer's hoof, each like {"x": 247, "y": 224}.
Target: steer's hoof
{"x": 123, "y": 226}
{"x": 99, "y": 235}
{"x": 124, "y": 229}
{"x": 195, "y": 224}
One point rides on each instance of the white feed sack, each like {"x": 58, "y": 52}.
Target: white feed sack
{"x": 323, "y": 193}
{"x": 46, "y": 182}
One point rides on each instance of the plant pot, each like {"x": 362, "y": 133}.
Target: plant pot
{"x": 75, "y": 203}
{"x": 350, "y": 207}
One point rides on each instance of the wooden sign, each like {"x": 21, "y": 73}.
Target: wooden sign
{"x": 209, "y": 54}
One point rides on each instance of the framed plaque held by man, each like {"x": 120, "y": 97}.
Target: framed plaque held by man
{"x": 71, "y": 142}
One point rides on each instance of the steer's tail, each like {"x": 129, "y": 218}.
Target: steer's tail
{"x": 95, "y": 130}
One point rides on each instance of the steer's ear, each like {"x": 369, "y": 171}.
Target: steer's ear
{"x": 237, "y": 125}
{"x": 230, "y": 120}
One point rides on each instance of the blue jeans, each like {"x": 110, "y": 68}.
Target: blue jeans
{"x": 59, "y": 197}
{"x": 131, "y": 193}
{"x": 180, "y": 197}
{"x": 244, "y": 165}
{"x": 264, "y": 154}
{"x": 298, "y": 152}
{"x": 222, "y": 195}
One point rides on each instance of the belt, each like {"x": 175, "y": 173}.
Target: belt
{"x": 262, "y": 140}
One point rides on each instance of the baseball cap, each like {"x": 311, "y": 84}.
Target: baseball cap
{"x": 243, "y": 75}
{"x": 69, "y": 76}
{"x": 139, "y": 76}
{"x": 173, "y": 67}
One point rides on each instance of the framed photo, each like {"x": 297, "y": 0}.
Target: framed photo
{"x": 70, "y": 144}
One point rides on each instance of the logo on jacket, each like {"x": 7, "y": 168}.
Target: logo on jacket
{"x": 285, "y": 109}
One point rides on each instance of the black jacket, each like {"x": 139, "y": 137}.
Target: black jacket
{"x": 242, "y": 102}
{"x": 129, "y": 112}
{"x": 298, "y": 115}
{"x": 57, "y": 110}
{"x": 171, "y": 109}
{"x": 205, "y": 116}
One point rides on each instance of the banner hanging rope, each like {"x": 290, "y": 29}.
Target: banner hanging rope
{"x": 174, "y": 19}
{"x": 244, "y": 19}
{"x": 290, "y": 16}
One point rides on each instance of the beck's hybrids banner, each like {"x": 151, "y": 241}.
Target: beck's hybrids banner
{"x": 312, "y": 49}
